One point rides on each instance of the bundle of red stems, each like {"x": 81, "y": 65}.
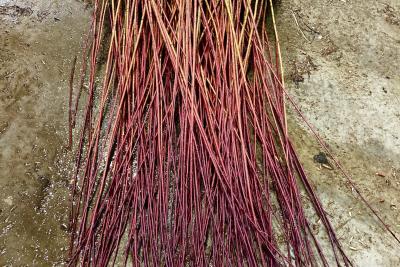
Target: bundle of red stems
{"x": 184, "y": 155}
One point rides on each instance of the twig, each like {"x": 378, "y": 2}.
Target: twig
{"x": 298, "y": 26}
{"x": 71, "y": 88}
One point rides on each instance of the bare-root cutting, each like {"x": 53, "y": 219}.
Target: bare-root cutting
{"x": 184, "y": 156}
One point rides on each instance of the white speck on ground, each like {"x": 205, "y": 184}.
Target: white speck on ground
{"x": 8, "y": 201}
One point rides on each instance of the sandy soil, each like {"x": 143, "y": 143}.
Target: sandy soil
{"x": 341, "y": 59}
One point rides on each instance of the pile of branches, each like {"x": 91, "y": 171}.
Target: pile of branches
{"x": 184, "y": 157}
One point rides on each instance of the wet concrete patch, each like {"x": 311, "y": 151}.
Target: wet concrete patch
{"x": 35, "y": 57}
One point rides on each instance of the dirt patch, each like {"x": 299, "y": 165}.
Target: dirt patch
{"x": 304, "y": 65}
{"x": 391, "y": 16}
{"x": 15, "y": 11}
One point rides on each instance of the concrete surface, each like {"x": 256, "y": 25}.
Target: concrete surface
{"x": 342, "y": 67}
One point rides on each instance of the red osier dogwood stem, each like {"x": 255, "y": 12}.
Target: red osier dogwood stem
{"x": 184, "y": 156}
